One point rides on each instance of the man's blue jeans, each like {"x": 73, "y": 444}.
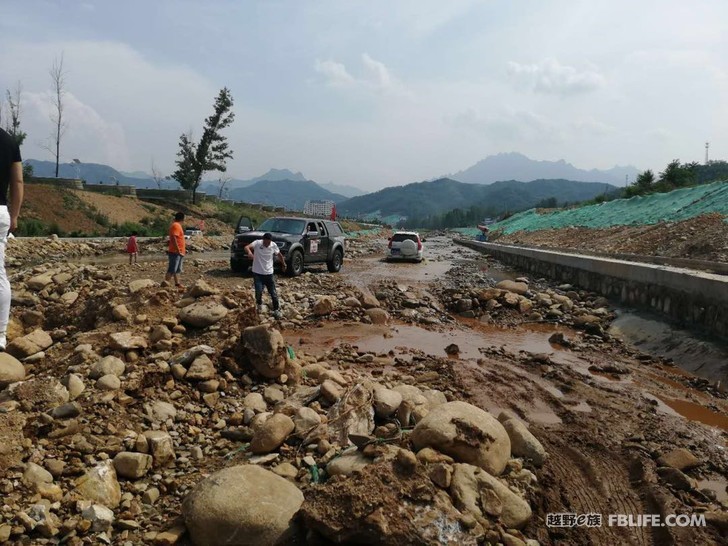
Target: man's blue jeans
{"x": 265, "y": 281}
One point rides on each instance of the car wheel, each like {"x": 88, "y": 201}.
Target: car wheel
{"x": 237, "y": 267}
{"x": 334, "y": 264}
{"x": 295, "y": 264}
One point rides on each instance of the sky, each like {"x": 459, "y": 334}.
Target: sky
{"x": 374, "y": 93}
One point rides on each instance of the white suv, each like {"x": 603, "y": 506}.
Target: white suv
{"x": 405, "y": 245}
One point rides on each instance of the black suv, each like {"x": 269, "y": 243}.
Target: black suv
{"x": 300, "y": 240}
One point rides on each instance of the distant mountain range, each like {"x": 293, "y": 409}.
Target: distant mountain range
{"x": 291, "y": 194}
{"x": 515, "y": 166}
{"x": 93, "y": 173}
{"x": 423, "y": 199}
{"x": 509, "y": 181}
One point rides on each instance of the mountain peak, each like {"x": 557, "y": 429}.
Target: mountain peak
{"x": 280, "y": 174}
{"x": 516, "y": 166}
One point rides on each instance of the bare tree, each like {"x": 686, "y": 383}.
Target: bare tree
{"x": 12, "y": 125}
{"x": 58, "y": 77}
{"x": 157, "y": 175}
{"x": 222, "y": 182}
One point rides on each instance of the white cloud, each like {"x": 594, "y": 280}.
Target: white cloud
{"x": 377, "y": 72}
{"x": 85, "y": 127}
{"x": 335, "y": 74}
{"x": 551, "y": 77}
{"x": 375, "y": 76}
{"x": 122, "y": 107}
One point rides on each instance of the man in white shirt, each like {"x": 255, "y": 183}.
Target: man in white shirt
{"x": 262, "y": 253}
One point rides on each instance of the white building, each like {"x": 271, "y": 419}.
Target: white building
{"x": 318, "y": 208}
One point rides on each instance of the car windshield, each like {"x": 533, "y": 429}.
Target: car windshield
{"x": 282, "y": 225}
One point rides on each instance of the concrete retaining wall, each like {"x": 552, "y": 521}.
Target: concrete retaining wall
{"x": 692, "y": 298}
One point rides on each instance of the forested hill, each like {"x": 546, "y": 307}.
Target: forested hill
{"x": 423, "y": 199}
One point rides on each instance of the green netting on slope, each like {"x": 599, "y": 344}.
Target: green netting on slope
{"x": 660, "y": 207}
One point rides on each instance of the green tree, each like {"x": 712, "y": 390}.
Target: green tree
{"x": 676, "y": 175}
{"x": 27, "y": 171}
{"x": 211, "y": 152}
{"x": 645, "y": 181}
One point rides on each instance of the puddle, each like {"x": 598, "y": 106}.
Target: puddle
{"x": 695, "y": 412}
{"x": 719, "y": 487}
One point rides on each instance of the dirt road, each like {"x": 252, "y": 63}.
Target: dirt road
{"x": 604, "y": 411}
{"x": 602, "y": 430}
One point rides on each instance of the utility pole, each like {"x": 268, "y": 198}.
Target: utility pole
{"x": 707, "y": 146}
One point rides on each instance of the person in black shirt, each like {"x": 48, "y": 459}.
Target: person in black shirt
{"x": 11, "y": 179}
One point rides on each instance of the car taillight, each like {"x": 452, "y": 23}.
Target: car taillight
{"x": 419, "y": 244}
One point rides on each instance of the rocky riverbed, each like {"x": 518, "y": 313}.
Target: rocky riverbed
{"x": 449, "y": 402}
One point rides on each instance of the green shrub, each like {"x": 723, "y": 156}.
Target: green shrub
{"x": 30, "y": 227}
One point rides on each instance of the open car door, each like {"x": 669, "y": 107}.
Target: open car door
{"x": 244, "y": 224}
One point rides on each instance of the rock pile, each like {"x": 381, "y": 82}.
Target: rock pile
{"x": 125, "y": 398}
{"x": 516, "y": 301}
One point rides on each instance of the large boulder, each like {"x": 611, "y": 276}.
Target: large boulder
{"x": 481, "y": 494}
{"x": 11, "y": 370}
{"x": 520, "y": 288}
{"x": 202, "y": 314}
{"x": 242, "y": 505}
{"x": 466, "y": 433}
{"x": 28, "y": 345}
{"x": 265, "y": 349}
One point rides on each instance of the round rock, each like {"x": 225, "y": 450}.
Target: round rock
{"x": 221, "y": 510}
{"x": 466, "y": 433}
{"x": 11, "y": 370}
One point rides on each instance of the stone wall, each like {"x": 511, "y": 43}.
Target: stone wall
{"x": 178, "y": 196}
{"x": 111, "y": 189}
{"x": 691, "y": 298}
{"x": 70, "y": 183}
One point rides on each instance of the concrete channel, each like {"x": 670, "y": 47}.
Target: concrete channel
{"x": 691, "y": 298}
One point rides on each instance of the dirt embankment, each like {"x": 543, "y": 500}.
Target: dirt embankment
{"x": 700, "y": 238}
{"x": 74, "y": 212}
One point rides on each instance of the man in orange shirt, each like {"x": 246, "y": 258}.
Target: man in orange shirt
{"x": 176, "y": 250}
